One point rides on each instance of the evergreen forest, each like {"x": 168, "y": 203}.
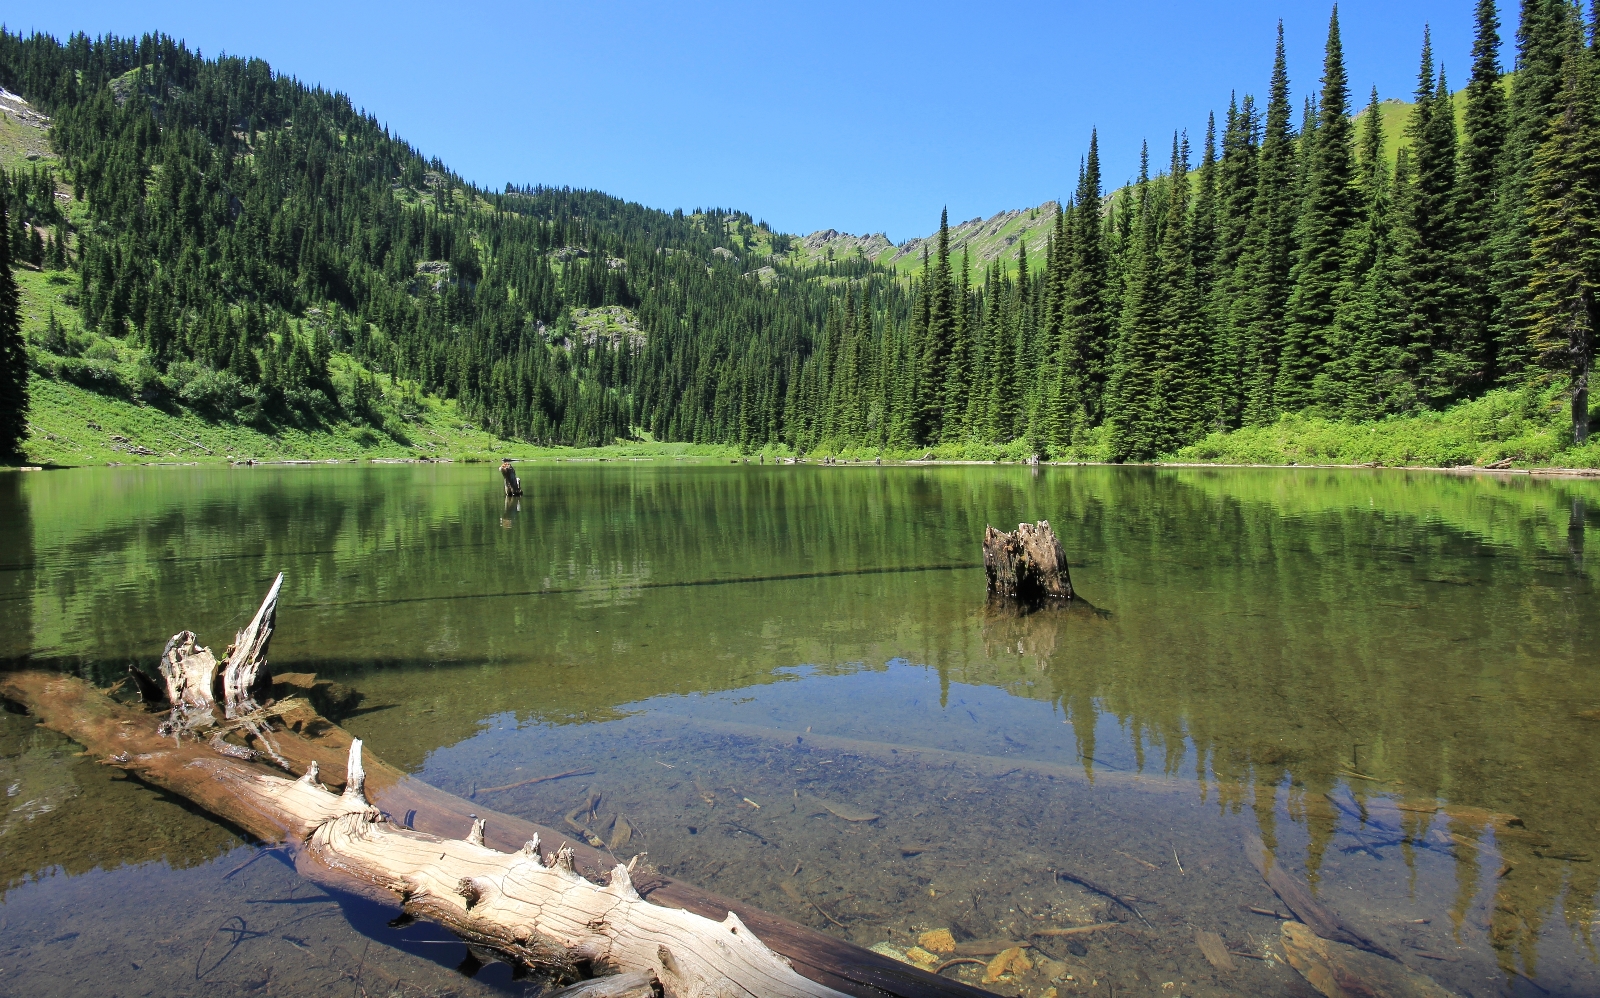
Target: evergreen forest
{"x": 274, "y": 256}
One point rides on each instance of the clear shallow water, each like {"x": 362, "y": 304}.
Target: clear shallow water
{"x": 1319, "y": 658}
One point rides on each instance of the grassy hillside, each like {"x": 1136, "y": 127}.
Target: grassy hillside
{"x": 24, "y": 134}
{"x": 99, "y": 401}
{"x": 999, "y": 236}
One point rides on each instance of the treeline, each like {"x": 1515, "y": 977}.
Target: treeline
{"x": 1291, "y": 269}
{"x": 246, "y": 227}
{"x": 243, "y": 229}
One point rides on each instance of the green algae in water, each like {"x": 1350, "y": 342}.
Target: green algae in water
{"x": 1364, "y": 668}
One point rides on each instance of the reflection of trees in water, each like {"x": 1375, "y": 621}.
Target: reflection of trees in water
{"x": 1304, "y": 648}
{"x": 16, "y": 563}
{"x": 1292, "y": 626}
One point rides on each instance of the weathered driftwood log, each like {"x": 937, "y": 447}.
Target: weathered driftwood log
{"x": 1340, "y": 971}
{"x": 1026, "y": 564}
{"x": 194, "y": 687}
{"x": 522, "y": 891}
{"x": 1294, "y": 893}
{"x": 1336, "y": 958}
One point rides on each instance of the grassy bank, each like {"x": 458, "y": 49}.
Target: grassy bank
{"x": 1528, "y": 428}
{"x": 76, "y": 425}
{"x": 98, "y": 400}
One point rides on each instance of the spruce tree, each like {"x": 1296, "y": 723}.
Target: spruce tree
{"x": 1236, "y": 191}
{"x": 1203, "y": 236}
{"x": 1088, "y": 319}
{"x": 1327, "y": 222}
{"x": 1178, "y": 415}
{"x": 941, "y": 322}
{"x": 1441, "y": 363}
{"x": 1371, "y": 317}
{"x": 1478, "y": 178}
{"x": 1265, "y": 286}
{"x": 959, "y": 365}
{"x": 1541, "y": 48}
{"x": 1564, "y": 219}
{"x": 1132, "y": 403}
{"x": 13, "y": 351}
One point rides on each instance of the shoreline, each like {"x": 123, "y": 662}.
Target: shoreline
{"x": 1535, "y": 471}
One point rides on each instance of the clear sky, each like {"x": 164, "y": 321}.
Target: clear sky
{"x": 857, "y": 116}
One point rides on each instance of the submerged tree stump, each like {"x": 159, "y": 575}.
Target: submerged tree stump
{"x": 511, "y": 889}
{"x": 1027, "y": 565}
{"x": 513, "y": 483}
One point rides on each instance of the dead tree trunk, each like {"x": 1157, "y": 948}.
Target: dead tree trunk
{"x": 1027, "y": 565}
{"x": 527, "y": 893}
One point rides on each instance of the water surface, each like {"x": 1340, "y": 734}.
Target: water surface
{"x": 1375, "y": 672}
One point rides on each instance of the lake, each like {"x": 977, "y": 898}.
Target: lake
{"x": 786, "y": 685}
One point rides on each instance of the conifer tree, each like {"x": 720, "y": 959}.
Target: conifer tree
{"x": 918, "y": 401}
{"x": 1541, "y": 48}
{"x": 958, "y": 366}
{"x": 1270, "y": 241}
{"x": 1088, "y": 319}
{"x": 1371, "y": 317}
{"x": 1478, "y": 178}
{"x": 1236, "y": 189}
{"x": 1203, "y": 235}
{"x": 1564, "y": 219}
{"x": 1327, "y": 221}
{"x": 13, "y": 351}
{"x": 1178, "y": 415}
{"x": 1132, "y": 391}
{"x": 1441, "y": 363}
{"x": 936, "y": 348}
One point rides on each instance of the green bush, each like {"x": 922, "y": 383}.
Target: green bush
{"x": 94, "y": 373}
{"x": 219, "y": 393}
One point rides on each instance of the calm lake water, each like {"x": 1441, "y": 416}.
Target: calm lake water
{"x": 790, "y": 689}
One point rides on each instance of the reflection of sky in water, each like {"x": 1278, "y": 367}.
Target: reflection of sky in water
{"x": 1425, "y": 882}
{"x": 1288, "y": 635}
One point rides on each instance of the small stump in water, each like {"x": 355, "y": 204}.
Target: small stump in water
{"x": 1027, "y": 564}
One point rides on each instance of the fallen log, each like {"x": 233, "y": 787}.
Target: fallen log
{"x": 1340, "y": 971}
{"x": 523, "y": 892}
{"x": 1027, "y": 564}
{"x": 1291, "y": 891}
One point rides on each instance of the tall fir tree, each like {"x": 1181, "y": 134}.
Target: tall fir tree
{"x": 13, "y": 351}
{"x": 1236, "y": 190}
{"x": 1372, "y": 315}
{"x": 1326, "y": 226}
{"x": 1179, "y": 414}
{"x": 1564, "y": 219}
{"x": 958, "y": 379}
{"x": 1438, "y": 355}
{"x": 937, "y": 286}
{"x": 1088, "y": 320}
{"x": 1270, "y": 250}
{"x": 1479, "y": 175}
{"x": 1535, "y": 86}
{"x": 1132, "y": 393}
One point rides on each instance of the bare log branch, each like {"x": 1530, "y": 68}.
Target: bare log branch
{"x": 245, "y": 673}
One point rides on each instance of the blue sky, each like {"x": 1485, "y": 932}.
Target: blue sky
{"x": 856, "y": 116}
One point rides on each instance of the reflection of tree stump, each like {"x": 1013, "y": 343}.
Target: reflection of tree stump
{"x": 1027, "y": 564}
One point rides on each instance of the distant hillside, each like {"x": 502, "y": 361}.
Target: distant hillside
{"x": 1000, "y": 236}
